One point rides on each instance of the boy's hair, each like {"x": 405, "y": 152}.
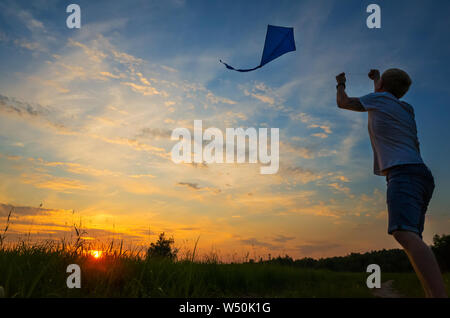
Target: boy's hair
{"x": 396, "y": 82}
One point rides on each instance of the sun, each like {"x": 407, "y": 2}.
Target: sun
{"x": 96, "y": 254}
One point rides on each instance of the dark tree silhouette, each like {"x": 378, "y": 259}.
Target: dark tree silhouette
{"x": 163, "y": 248}
{"x": 393, "y": 260}
{"x": 441, "y": 248}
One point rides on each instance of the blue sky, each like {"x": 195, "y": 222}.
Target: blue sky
{"x": 86, "y": 117}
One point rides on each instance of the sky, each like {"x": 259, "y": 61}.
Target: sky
{"x": 86, "y": 117}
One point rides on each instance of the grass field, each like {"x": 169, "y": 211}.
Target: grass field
{"x": 40, "y": 271}
{"x": 408, "y": 284}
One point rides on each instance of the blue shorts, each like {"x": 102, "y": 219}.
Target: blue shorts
{"x": 409, "y": 190}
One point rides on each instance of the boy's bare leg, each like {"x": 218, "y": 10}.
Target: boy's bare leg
{"x": 424, "y": 263}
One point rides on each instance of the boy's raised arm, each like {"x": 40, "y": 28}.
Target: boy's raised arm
{"x": 375, "y": 76}
{"x": 342, "y": 100}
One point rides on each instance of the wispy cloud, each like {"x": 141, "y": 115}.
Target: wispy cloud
{"x": 195, "y": 186}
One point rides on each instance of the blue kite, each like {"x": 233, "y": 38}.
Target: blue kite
{"x": 279, "y": 41}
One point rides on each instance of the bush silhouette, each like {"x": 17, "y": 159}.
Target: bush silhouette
{"x": 441, "y": 248}
{"x": 163, "y": 248}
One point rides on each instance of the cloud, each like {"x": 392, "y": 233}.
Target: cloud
{"x": 168, "y": 68}
{"x": 93, "y": 53}
{"x": 110, "y": 75}
{"x": 320, "y": 209}
{"x": 143, "y": 79}
{"x": 77, "y": 168}
{"x": 196, "y": 187}
{"x": 263, "y": 98}
{"x": 217, "y": 99}
{"x": 125, "y": 58}
{"x": 46, "y": 115}
{"x": 22, "y": 210}
{"x": 320, "y": 135}
{"x": 133, "y": 143}
{"x": 12, "y": 105}
{"x": 299, "y": 174}
{"x": 303, "y": 117}
{"x": 32, "y": 46}
{"x": 53, "y": 224}
{"x": 142, "y": 89}
{"x": 155, "y": 133}
{"x": 339, "y": 187}
{"x": 313, "y": 123}
{"x": 190, "y": 185}
{"x": 265, "y": 94}
{"x": 350, "y": 140}
{"x": 47, "y": 181}
{"x": 15, "y": 107}
{"x": 231, "y": 118}
{"x": 283, "y": 239}
{"x": 199, "y": 165}
{"x": 57, "y": 85}
{"x": 9, "y": 157}
{"x": 255, "y": 242}
{"x": 142, "y": 176}
{"x": 300, "y": 151}
{"x": 31, "y": 23}
{"x": 325, "y": 128}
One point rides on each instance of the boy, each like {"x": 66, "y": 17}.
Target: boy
{"x": 410, "y": 184}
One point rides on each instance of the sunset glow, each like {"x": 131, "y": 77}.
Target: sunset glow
{"x": 96, "y": 254}
{"x": 86, "y": 118}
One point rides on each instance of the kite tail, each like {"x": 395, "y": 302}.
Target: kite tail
{"x": 239, "y": 70}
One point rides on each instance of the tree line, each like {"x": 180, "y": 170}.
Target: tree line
{"x": 392, "y": 260}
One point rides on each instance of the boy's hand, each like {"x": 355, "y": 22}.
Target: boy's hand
{"x": 341, "y": 78}
{"x": 374, "y": 75}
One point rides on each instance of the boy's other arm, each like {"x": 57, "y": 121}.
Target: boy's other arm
{"x": 374, "y": 75}
{"x": 342, "y": 100}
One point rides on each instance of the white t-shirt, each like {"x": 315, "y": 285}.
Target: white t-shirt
{"x": 392, "y": 131}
